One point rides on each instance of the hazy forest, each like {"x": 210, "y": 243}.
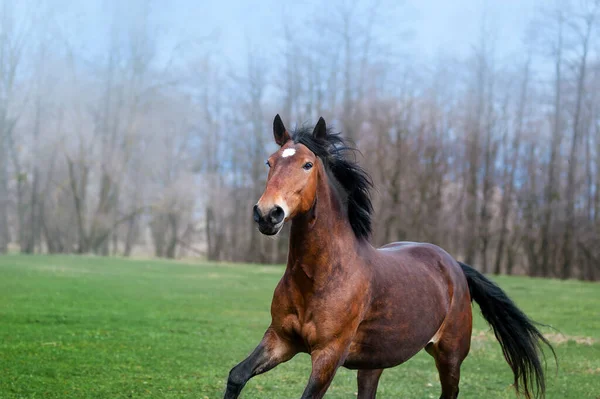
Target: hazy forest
{"x": 123, "y": 150}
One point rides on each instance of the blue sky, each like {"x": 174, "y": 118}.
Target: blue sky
{"x": 452, "y": 27}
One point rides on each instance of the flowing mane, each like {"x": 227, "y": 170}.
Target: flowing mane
{"x": 335, "y": 153}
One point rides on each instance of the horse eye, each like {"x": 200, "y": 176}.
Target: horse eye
{"x": 268, "y": 164}
{"x": 307, "y": 166}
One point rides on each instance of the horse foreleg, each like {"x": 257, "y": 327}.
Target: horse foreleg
{"x": 325, "y": 363}
{"x": 271, "y": 351}
{"x": 367, "y": 383}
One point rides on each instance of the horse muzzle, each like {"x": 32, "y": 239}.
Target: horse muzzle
{"x": 270, "y": 221}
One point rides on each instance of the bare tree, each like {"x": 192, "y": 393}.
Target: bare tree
{"x": 131, "y": 149}
{"x": 511, "y": 156}
{"x": 583, "y": 31}
{"x": 14, "y": 34}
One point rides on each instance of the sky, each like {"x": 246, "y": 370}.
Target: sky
{"x": 425, "y": 26}
{"x": 433, "y": 25}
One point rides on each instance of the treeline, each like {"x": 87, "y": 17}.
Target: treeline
{"x": 495, "y": 157}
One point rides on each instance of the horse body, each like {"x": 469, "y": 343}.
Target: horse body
{"x": 348, "y": 304}
{"x": 394, "y": 329}
{"x": 364, "y": 287}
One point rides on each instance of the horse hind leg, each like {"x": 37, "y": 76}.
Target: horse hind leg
{"x": 451, "y": 347}
{"x": 448, "y": 365}
{"x": 367, "y": 383}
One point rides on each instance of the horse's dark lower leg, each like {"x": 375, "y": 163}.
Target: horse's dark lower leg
{"x": 449, "y": 370}
{"x": 367, "y": 383}
{"x": 324, "y": 365}
{"x": 271, "y": 351}
{"x": 452, "y": 344}
{"x": 449, "y": 353}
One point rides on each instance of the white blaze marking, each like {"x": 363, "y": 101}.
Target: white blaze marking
{"x": 288, "y": 152}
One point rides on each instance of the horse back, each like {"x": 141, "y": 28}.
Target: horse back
{"x": 412, "y": 291}
{"x": 420, "y": 267}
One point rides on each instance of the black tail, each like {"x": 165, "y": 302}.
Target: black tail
{"x": 521, "y": 341}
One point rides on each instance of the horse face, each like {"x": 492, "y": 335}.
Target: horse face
{"x": 291, "y": 187}
{"x": 291, "y": 184}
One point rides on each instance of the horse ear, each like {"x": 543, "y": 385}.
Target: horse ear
{"x": 279, "y": 132}
{"x": 320, "y": 129}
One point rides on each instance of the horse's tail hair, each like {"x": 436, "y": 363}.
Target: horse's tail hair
{"x": 519, "y": 338}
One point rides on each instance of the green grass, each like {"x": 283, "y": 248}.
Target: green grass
{"x": 85, "y": 327}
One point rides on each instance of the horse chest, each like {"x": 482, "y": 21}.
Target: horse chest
{"x": 315, "y": 321}
{"x": 309, "y": 330}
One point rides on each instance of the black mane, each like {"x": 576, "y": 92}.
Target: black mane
{"x": 355, "y": 182}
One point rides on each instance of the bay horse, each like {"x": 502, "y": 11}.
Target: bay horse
{"x": 349, "y": 304}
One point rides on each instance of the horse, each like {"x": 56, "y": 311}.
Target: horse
{"x": 348, "y": 304}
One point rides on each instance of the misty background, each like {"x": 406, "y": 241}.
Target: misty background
{"x": 141, "y": 129}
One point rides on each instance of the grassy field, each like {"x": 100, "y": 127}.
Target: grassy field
{"x": 84, "y": 327}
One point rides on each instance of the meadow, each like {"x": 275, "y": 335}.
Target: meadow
{"x": 91, "y": 327}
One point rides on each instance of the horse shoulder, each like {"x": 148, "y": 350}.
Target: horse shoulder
{"x": 284, "y": 312}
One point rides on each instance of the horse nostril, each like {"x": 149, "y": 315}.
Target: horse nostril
{"x": 256, "y": 214}
{"x": 276, "y": 215}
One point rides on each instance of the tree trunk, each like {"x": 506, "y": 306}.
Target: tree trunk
{"x": 568, "y": 239}
{"x": 509, "y": 180}
{"x": 130, "y": 236}
{"x": 172, "y": 244}
{"x": 4, "y": 231}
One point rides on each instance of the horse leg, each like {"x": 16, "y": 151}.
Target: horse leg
{"x": 325, "y": 363}
{"x": 452, "y": 346}
{"x": 448, "y": 366}
{"x": 367, "y": 383}
{"x": 271, "y": 351}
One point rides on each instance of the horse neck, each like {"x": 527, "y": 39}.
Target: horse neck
{"x": 321, "y": 238}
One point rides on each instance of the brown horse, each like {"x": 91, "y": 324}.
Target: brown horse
{"x": 349, "y": 304}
